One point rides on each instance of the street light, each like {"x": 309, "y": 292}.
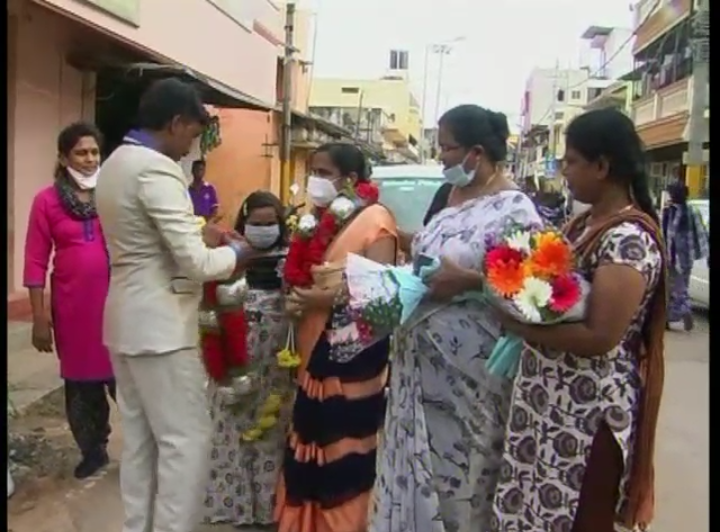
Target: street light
{"x": 443, "y": 48}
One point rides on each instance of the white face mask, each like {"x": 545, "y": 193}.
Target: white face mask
{"x": 321, "y": 192}
{"x": 84, "y": 182}
{"x": 262, "y": 236}
{"x": 458, "y": 176}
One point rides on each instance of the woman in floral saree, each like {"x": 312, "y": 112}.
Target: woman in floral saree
{"x": 446, "y": 415}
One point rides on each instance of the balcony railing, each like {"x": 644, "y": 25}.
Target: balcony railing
{"x": 664, "y": 103}
{"x": 665, "y": 76}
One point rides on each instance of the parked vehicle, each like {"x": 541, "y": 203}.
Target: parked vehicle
{"x": 407, "y": 191}
{"x": 699, "y": 288}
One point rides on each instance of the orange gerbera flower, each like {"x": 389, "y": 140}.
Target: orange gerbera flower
{"x": 506, "y": 278}
{"x": 551, "y": 257}
{"x": 546, "y": 237}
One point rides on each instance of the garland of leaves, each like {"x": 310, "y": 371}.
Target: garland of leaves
{"x": 210, "y": 137}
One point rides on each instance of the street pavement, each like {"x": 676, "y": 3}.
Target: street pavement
{"x": 682, "y": 462}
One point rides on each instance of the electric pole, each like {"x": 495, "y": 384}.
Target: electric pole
{"x": 552, "y": 141}
{"x": 443, "y": 50}
{"x": 698, "y": 130}
{"x": 285, "y": 139}
{"x": 423, "y": 104}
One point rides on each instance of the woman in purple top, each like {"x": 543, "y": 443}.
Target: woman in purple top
{"x": 63, "y": 224}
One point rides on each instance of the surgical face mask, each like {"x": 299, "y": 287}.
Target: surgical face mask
{"x": 262, "y": 236}
{"x": 321, "y": 191}
{"x": 458, "y": 176}
{"x": 84, "y": 182}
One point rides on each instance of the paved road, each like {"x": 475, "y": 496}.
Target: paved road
{"x": 682, "y": 462}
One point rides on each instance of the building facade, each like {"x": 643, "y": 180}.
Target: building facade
{"x": 664, "y": 89}
{"x": 381, "y": 111}
{"x": 59, "y": 56}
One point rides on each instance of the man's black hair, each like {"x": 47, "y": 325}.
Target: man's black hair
{"x": 167, "y": 98}
{"x": 198, "y": 162}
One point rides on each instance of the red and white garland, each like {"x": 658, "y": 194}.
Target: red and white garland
{"x": 316, "y": 231}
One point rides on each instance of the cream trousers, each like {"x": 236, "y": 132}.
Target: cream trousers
{"x": 166, "y": 432}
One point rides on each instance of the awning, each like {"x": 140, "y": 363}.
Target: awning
{"x": 212, "y": 92}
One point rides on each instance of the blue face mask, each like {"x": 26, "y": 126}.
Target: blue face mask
{"x": 457, "y": 176}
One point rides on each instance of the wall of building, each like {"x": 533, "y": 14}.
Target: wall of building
{"x": 392, "y": 96}
{"x": 44, "y": 95}
{"x": 541, "y": 88}
{"x": 188, "y": 32}
{"x": 248, "y": 158}
{"x": 618, "y": 54}
{"x": 244, "y": 161}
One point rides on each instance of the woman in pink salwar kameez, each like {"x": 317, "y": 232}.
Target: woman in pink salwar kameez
{"x": 63, "y": 224}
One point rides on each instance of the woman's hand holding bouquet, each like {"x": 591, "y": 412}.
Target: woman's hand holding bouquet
{"x": 531, "y": 274}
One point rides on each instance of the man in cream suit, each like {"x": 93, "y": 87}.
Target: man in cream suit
{"x": 159, "y": 257}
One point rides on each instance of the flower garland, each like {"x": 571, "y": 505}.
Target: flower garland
{"x": 312, "y": 235}
{"x": 315, "y": 232}
{"x": 224, "y": 349}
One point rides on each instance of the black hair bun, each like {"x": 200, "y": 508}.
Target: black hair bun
{"x": 499, "y": 124}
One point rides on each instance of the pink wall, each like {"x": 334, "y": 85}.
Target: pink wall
{"x": 197, "y": 34}
{"x": 44, "y": 94}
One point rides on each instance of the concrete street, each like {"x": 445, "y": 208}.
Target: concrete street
{"x": 682, "y": 462}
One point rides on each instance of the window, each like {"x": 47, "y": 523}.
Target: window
{"x": 350, "y": 90}
{"x": 594, "y": 92}
{"x": 559, "y": 115}
{"x": 561, "y": 95}
{"x": 575, "y": 95}
{"x": 398, "y": 60}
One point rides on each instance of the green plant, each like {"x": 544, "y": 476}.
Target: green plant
{"x": 210, "y": 138}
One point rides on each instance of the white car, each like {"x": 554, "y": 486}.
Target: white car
{"x": 699, "y": 288}
{"x": 407, "y": 190}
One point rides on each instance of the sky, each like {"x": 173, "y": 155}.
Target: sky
{"x": 498, "y": 43}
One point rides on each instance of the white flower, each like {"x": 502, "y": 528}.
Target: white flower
{"x": 307, "y": 224}
{"x": 520, "y": 241}
{"x": 342, "y": 208}
{"x": 535, "y": 294}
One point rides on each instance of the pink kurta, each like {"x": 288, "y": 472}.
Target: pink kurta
{"x": 78, "y": 284}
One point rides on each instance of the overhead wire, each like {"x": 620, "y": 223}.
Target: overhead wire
{"x": 650, "y": 13}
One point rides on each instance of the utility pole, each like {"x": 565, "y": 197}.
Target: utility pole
{"x": 552, "y": 141}
{"x": 698, "y": 131}
{"x": 285, "y": 139}
{"x": 359, "y": 114}
{"x": 423, "y": 158}
{"x": 443, "y": 50}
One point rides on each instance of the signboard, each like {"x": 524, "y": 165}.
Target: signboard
{"x": 240, "y": 11}
{"x": 550, "y": 167}
{"x": 127, "y": 10}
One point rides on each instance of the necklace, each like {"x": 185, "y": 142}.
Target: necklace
{"x": 480, "y": 193}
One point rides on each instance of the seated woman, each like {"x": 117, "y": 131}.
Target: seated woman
{"x": 579, "y": 449}
{"x": 243, "y": 471}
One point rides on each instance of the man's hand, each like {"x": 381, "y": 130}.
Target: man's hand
{"x": 214, "y": 235}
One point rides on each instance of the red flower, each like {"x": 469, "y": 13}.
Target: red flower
{"x": 234, "y": 336}
{"x": 213, "y": 353}
{"x": 367, "y": 191}
{"x": 502, "y": 256}
{"x": 565, "y": 293}
{"x": 210, "y": 294}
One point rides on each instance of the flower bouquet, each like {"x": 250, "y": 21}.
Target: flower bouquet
{"x": 378, "y": 299}
{"x": 531, "y": 274}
